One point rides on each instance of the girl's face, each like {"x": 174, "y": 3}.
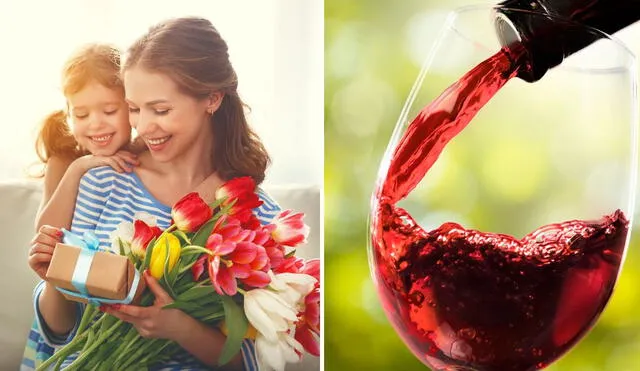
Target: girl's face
{"x": 99, "y": 118}
{"x": 171, "y": 123}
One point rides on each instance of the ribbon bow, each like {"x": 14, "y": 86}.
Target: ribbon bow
{"x": 89, "y": 245}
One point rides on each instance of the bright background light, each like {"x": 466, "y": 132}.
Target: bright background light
{"x": 276, "y": 47}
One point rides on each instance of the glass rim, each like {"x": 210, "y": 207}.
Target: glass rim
{"x": 629, "y": 55}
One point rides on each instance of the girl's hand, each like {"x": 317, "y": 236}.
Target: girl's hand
{"x": 121, "y": 161}
{"x": 153, "y": 321}
{"x": 41, "y": 251}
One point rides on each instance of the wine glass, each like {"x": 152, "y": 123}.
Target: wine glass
{"x": 505, "y": 253}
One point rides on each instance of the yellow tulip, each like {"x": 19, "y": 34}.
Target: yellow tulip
{"x": 250, "y": 334}
{"x": 159, "y": 254}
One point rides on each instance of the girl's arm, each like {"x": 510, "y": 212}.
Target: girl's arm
{"x": 61, "y": 181}
{"x": 57, "y": 315}
{"x": 60, "y": 190}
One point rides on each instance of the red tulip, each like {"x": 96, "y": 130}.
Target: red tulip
{"x": 241, "y": 192}
{"x": 291, "y": 264}
{"x": 312, "y": 268}
{"x": 252, "y": 223}
{"x": 142, "y": 235}
{"x": 289, "y": 229}
{"x": 308, "y": 325}
{"x": 190, "y": 213}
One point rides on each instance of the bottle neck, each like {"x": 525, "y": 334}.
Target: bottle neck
{"x": 536, "y": 24}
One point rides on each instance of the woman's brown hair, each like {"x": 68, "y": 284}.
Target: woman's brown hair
{"x": 92, "y": 62}
{"x": 192, "y": 53}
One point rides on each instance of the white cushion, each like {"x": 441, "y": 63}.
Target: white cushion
{"x": 20, "y": 201}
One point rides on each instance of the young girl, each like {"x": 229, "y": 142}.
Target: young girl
{"x": 90, "y": 133}
{"x": 99, "y": 130}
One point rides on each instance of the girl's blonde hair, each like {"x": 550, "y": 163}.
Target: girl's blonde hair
{"x": 92, "y": 62}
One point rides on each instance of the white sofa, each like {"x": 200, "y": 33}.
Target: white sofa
{"x": 19, "y": 201}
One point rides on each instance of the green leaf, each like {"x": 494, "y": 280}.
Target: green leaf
{"x": 165, "y": 276}
{"x": 183, "y": 283}
{"x": 147, "y": 257}
{"x": 237, "y": 324}
{"x": 181, "y": 235}
{"x": 193, "y": 249}
{"x": 187, "y": 263}
{"x": 128, "y": 254}
{"x": 213, "y": 317}
{"x": 183, "y": 305}
{"x": 290, "y": 254}
{"x": 121, "y": 246}
{"x": 196, "y": 293}
{"x": 173, "y": 274}
{"x": 214, "y": 205}
{"x": 208, "y": 311}
{"x": 200, "y": 238}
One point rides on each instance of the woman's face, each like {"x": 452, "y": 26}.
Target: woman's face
{"x": 99, "y": 119}
{"x": 170, "y": 122}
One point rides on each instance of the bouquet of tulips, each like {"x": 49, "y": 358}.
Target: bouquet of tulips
{"x": 220, "y": 265}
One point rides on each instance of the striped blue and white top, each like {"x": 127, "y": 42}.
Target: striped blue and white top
{"x": 105, "y": 199}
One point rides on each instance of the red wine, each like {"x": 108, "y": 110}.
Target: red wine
{"x": 467, "y": 300}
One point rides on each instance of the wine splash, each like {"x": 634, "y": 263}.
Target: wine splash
{"x": 467, "y": 300}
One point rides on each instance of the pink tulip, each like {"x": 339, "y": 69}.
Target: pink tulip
{"x": 238, "y": 257}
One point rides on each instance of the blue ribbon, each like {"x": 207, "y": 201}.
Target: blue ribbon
{"x": 89, "y": 245}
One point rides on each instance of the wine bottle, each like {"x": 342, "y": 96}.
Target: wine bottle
{"x": 551, "y": 30}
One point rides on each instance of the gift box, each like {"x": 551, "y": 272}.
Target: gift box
{"x": 110, "y": 276}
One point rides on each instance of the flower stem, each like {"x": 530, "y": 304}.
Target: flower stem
{"x": 152, "y": 359}
{"x": 128, "y": 344}
{"x": 87, "y": 316}
{"x": 136, "y": 357}
{"x": 81, "y": 334}
{"x": 62, "y": 353}
{"x": 76, "y": 365}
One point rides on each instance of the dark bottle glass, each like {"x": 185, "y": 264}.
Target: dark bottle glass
{"x": 548, "y": 40}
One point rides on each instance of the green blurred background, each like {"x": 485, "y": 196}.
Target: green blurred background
{"x": 370, "y": 66}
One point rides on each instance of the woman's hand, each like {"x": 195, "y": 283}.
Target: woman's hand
{"x": 153, "y": 321}
{"x": 121, "y": 161}
{"x": 203, "y": 342}
{"x": 41, "y": 251}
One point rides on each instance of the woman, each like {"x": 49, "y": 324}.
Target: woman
{"x": 183, "y": 102}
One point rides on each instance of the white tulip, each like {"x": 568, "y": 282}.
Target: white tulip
{"x": 292, "y": 287}
{"x": 124, "y": 233}
{"x": 125, "y": 230}
{"x": 273, "y": 355}
{"x": 273, "y": 312}
{"x": 268, "y": 312}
